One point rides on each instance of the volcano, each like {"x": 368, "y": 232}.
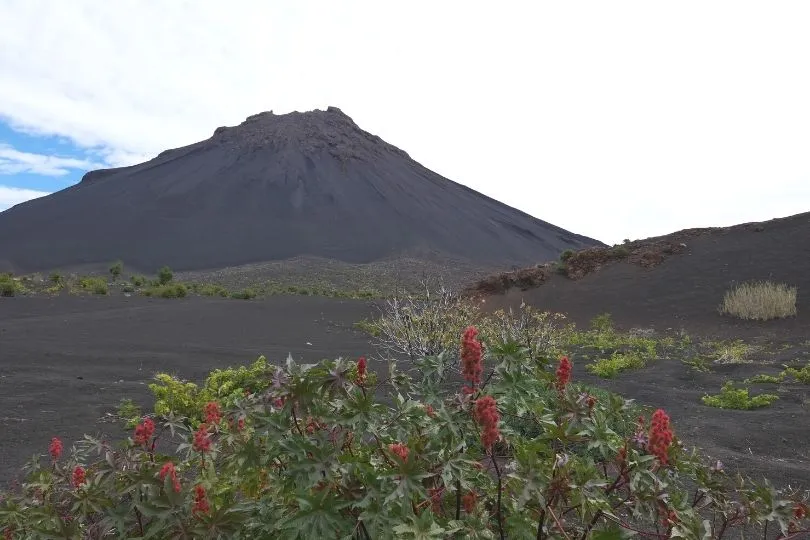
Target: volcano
{"x": 272, "y": 188}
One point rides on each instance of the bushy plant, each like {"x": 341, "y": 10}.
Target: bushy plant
{"x": 95, "y": 285}
{"x": 165, "y": 275}
{"x": 800, "y": 374}
{"x": 762, "y": 300}
{"x": 209, "y": 289}
{"x": 9, "y": 286}
{"x": 116, "y": 269}
{"x": 171, "y": 290}
{"x": 138, "y": 280}
{"x": 616, "y": 363}
{"x": 738, "y": 398}
{"x": 316, "y": 454}
{"x": 244, "y": 294}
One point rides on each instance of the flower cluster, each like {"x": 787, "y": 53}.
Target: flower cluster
{"x": 361, "y": 371}
{"x": 660, "y": 436}
{"x": 55, "y": 448}
{"x": 144, "y": 432}
{"x": 471, "y": 358}
{"x": 79, "y": 476}
{"x": 400, "y": 450}
{"x": 201, "y": 505}
{"x": 169, "y": 470}
{"x": 202, "y": 439}
{"x": 469, "y": 501}
{"x": 486, "y": 414}
{"x": 213, "y": 414}
{"x": 563, "y": 373}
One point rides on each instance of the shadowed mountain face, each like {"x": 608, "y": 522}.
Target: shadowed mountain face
{"x": 274, "y": 187}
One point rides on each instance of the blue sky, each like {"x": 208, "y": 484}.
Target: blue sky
{"x": 623, "y": 119}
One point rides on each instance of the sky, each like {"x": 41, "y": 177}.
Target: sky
{"x": 621, "y": 119}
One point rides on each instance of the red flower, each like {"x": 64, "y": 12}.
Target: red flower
{"x": 213, "y": 414}
{"x": 361, "y": 371}
{"x": 8, "y": 533}
{"x": 79, "y": 476}
{"x": 435, "y": 495}
{"x": 168, "y": 469}
{"x": 55, "y": 448}
{"x": 660, "y": 436}
{"x": 800, "y": 511}
{"x": 201, "y": 505}
{"x": 278, "y": 402}
{"x": 400, "y": 450}
{"x": 430, "y": 411}
{"x": 202, "y": 439}
{"x": 144, "y": 432}
{"x": 563, "y": 373}
{"x": 240, "y": 424}
{"x": 486, "y": 414}
{"x": 471, "y": 359}
{"x": 469, "y": 501}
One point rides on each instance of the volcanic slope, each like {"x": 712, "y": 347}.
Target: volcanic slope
{"x": 679, "y": 280}
{"x": 272, "y": 188}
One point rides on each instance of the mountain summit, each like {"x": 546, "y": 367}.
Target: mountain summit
{"x": 272, "y": 188}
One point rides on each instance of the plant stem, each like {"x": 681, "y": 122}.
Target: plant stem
{"x": 458, "y": 500}
{"x": 500, "y": 492}
{"x": 557, "y": 521}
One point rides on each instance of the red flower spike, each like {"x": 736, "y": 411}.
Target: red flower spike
{"x": 661, "y": 436}
{"x": 202, "y": 440}
{"x": 563, "y": 373}
{"x": 213, "y": 414}
{"x": 55, "y": 448}
{"x": 400, "y": 450}
{"x": 468, "y": 501}
{"x": 471, "y": 357}
{"x": 361, "y": 371}
{"x": 169, "y": 469}
{"x": 201, "y": 505}
{"x": 79, "y": 476}
{"x": 144, "y": 432}
{"x": 486, "y": 414}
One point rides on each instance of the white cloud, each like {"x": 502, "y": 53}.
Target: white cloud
{"x": 9, "y": 196}
{"x": 613, "y": 119}
{"x": 15, "y": 162}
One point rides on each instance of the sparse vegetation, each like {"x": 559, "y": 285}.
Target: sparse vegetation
{"x": 618, "y": 362}
{"x": 9, "y": 286}
{"x": 116, "y": 270}
{"x": 565, "y": 255}
{"x": 764, "y": 378}
{"x": 244, "y": 294}
{"x": 734, "y": 352}
{"x": 165, "y": 275}
{"x": 763, "y": 300}
{"x": 138, "y": 280}
{"x": 95, "y": 285}
{"x": 738, "y": 398}
{"x": 170, "y": 290}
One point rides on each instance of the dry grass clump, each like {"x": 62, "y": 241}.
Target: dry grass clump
{"x": 762, "y": 300}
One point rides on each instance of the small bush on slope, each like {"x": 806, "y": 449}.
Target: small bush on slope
{"x": 738, "y": 398}
{"x": 760, "y": 301}
{"x": 316, "y": 455}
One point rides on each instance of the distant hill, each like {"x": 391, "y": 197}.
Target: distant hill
{"x": 272, "y": 188}
{"x": 673, "y": 281}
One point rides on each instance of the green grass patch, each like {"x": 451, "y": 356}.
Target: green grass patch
{"x": 608, "y": 368}
{"x": 95, "y": 285}
{"x": 737, "y": 398}
{"x": 171, "y": 290}
{"x": 244, "y": 294}
{"x": 9, "y": 286}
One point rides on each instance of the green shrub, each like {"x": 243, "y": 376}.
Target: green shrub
{"x": 760, "y": 301}
{"x": 171, "y": 290}
{"x": 211, "y": 290}
{"x": 95, "y": 285}
{"x": 9, "y": 286}
{"x": 138, "y": 281}
{"x": 765, "y": 379}
{"x": 609, "y": 368}
{"x": 165, "y": 275}
{"x": 567, "y": 254}
{"x": 129, "y": 413}
{"x": 116, "y": 270}
{"x": 245, "y": 294}
{"x": 802, "y": 375}
{"x": 56, "y": 278}
{"x": 738, "y": 398}
{"x": 129, "y": 288}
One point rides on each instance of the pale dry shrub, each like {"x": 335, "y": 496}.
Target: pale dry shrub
{"x": 761, "y": 300}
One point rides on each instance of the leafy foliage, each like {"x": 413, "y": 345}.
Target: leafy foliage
{"x": 116, "y": 270}
{"x": 165, "y": 275}
{"x": 315, "y": 450}
{"x": 738, "y": 398}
